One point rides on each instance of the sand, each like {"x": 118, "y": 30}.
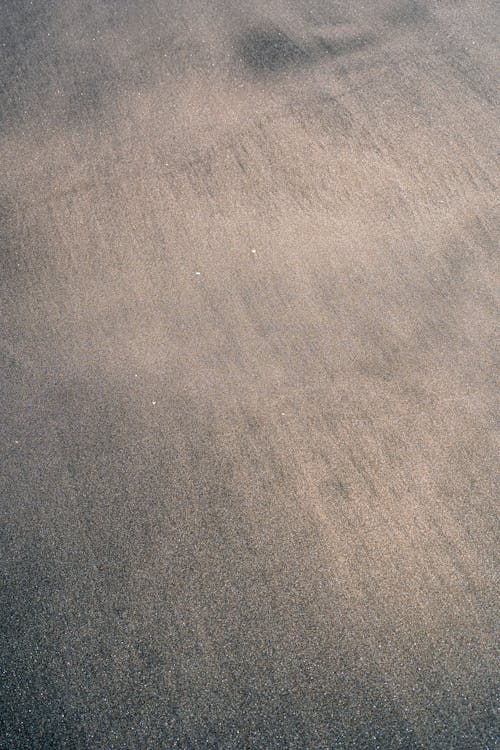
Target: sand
{"x": 248, "y": 411}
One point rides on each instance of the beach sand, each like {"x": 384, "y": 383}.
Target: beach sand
{"x": 249, "y": 265}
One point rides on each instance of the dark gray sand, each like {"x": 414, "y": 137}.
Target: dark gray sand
{"x": 248, "y": 374}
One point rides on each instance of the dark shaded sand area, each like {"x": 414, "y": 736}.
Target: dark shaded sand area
{"x": 248, "y": 266}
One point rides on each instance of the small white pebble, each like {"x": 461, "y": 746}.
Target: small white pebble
{"x": 254, "y": 251}
{"x": 154, "y": 403}
{"x": 198, "y": 273}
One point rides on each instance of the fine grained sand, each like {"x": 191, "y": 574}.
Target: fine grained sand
{"x": 248, "y": 374}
